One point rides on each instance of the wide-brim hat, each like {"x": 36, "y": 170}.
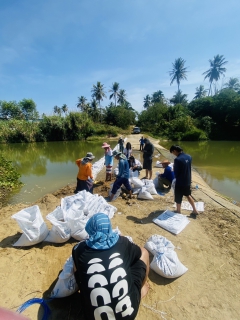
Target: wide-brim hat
{"x": 116, "y": 153}
{"x": 165, "y": 162}
{"x": 90, "y": 156}
{"x": 105, "y": 145}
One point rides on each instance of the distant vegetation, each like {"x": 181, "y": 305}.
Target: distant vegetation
{"x": 212, "y": 114}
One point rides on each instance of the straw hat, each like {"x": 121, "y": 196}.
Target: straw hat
{"x": 105, "y": 145}
{"x": 165, "y": 162}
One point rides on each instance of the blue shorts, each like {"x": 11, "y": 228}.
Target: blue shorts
{"x": 117, "y": 184}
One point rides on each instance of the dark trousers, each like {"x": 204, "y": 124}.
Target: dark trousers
{"x": 84, "y": 185}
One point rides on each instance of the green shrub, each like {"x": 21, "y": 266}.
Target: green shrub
{"x": 194, "y": 135}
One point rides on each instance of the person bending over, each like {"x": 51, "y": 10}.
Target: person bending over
{"x": 166, "y": 177}
{"x": 123, "y": 175}
{"x": 183, "y": 175}
{"x": 111, "y": 272}
{"x": 134, "y": 164}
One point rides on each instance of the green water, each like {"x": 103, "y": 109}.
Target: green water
{"x": 48, "y": 166}
{"x": 217, "y": 162}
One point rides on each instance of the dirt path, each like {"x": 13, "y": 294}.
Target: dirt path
{"x": 208, "y": 247}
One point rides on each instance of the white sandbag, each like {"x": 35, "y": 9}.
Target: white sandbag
{"x": 171, "y": 221}
{"x": 158, "y": 164}
{"x": 144, "y": 194}
{"x": 155, "y": 180}
{"x": 136, "y": 190}
{"x": 117, "y": 194}
{"x": 105, "y": 207}
{"x": 187, "y": 206}
{"x": 173, "y": 185}
{"x": 133, "y": 173}
{"x": 168, "y": 265}
{"x": 66, "y": 284}
{"x": 136, "y": 182}
{"x": 77, "y": 220}
{"x": 158, "y": 244}
{"x": 116, "y": 171}
{"x": 150, "y": 187}
{"x": 32, "y": 225}
{"x": 60, "y": 231}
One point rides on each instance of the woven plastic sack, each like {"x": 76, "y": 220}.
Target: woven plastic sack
{"x": 60, "y": 231}
{"x": 171, "y": 221}
{"x": 66, "y": 284}
{"x": 168, "y": 265}
{"x": 144, "y": 194}
{"x": 32, "y": 225}
{"x": 136, "y": 182}
{"x": 158, "y": 244}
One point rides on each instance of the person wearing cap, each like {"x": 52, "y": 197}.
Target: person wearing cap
{"x": 111, "y": 272}
{"x": 183, "y": 175}
{"x": 166, "y": 177}
{"x": 134, "y": 164}
{"x": 147, "y": 158}
{"x": 108, "y": 160}
{"x": 123, "y": 175}
{"x": 85, "y": 175}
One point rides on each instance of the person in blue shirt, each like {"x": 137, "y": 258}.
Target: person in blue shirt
{"x": 141, "y": 144}
{"x": 108, "y": 160}
{"x": 123, "y": 175}
{"x": 166, "y": 177}
{"x": 183, "y": 175}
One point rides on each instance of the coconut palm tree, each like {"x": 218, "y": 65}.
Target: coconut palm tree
{"x": 157, "y": 96}
{"x": 57, "y": 110}
{"x": 64, "y": 108}
{"x": 216, "y": 70}
{"x": 122, "y": 96}
{"x": 147, "y": 101}
{"x": 200, "y": 92}
{"x": 94, "y": 111}
{"x": 114, "y": 89}
{"x": 98, "y": 93}
{"x": 178, "y": 72}
{"x": 82, "y": 101}
{"x": 179, "y": 97}
{"x": 233, "y": 84}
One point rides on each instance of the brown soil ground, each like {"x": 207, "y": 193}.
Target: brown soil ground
{"x": 208, "y": 247}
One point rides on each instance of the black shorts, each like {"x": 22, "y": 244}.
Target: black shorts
{"x": 180, "y": 192}
{"x": 147, "y": 164}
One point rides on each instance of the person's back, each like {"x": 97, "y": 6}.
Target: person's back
{"x": 106, "y": 280}
{"x": 182, "y": 169}
{"x": 123, "y": 167}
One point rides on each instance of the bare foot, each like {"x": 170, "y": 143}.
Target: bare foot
{"x": 144, "y": 290}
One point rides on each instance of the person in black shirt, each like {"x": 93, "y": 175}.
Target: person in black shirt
{"x": 147, "y": 158}
{"x": 111, "y": 272}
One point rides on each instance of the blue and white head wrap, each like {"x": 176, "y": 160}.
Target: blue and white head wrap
{"x": 101, "y": 236}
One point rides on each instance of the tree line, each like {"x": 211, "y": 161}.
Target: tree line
{"x": 212, "y": 114}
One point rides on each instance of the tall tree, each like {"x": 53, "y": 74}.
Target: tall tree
{"x": 82, "y": 101}
{"x": 64, "y": 108}
{"x": 94, "y": 111}
{"x": 57, "y": 110}
{"x": 233, "y": 84}
{"x": 147, "y": 101}
{"x": 29, "y": 109}
{"x": 178, "y": 72}
{"x": 98, "y": 93}
{"x": 115, "y": 91}
{"x": 122, "y": 96}
{"x": 216, "y": 70}
{"x": 179, "y": 97}
{"x": 157, "y": 97}
{"x": 200, "y": 92}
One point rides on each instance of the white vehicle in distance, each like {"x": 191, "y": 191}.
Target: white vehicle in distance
{"x": 136, "y": 130}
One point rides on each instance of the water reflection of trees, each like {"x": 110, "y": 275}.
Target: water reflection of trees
{"x": 33, "y": 158}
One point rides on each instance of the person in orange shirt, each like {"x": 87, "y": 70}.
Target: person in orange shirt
{"x": 85, "y": 175}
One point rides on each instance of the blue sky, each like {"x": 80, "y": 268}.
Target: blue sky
{"x": 53, "y": 51}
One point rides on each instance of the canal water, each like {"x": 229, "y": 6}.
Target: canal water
{"x": 217, "y": 162}
{"x": 48, "y": 166}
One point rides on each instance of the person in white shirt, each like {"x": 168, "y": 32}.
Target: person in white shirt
{"x": 128, "y": 150}
{"x": 134, "y": 164}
